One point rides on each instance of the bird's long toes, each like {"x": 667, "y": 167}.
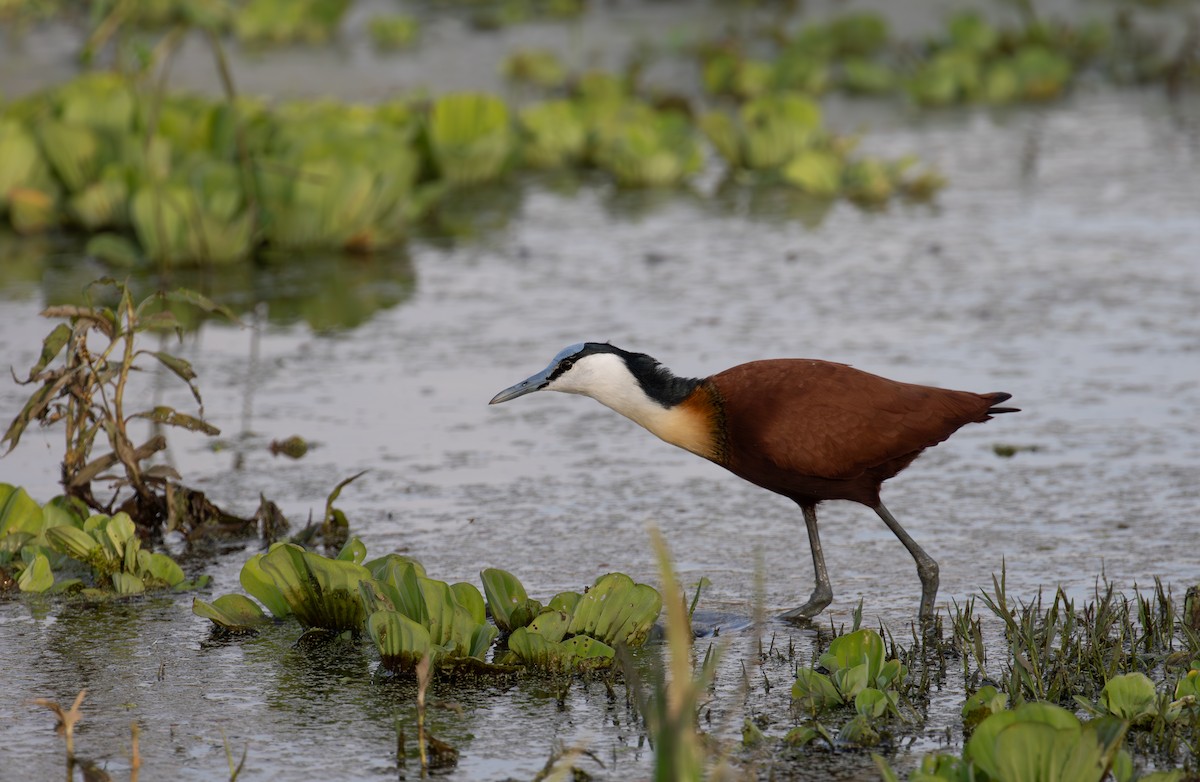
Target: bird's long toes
{"x": 804, "y": 613}
{"x": 815, "y": 605}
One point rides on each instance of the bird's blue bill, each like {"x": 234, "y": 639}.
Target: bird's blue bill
{"x": 535, "y": 382}
{"x": 528, "y": 386}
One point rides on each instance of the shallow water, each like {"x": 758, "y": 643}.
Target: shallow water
{"x": 1062, "y": 265}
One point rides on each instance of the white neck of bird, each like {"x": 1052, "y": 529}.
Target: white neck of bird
{"x": 605, "y": 378}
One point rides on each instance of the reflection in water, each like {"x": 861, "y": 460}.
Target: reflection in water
{"x": 638, "y": 206}
{"x": 771, "y": 204}
{"x": 475, "y": 213}
{"x": 328, "y": 292}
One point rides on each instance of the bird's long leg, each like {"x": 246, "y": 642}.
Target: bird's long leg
{"x": 822, "y": 595}
{"x": 927, "y": 569}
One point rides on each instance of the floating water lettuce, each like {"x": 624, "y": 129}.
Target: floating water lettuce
{"x": 393, "y": 32}
{"x": 320, "y": 592}
{"x": 574, "y": 631}
{"x": 644, "y": 147}
{"x": 1034, "y": 742}
{"x": 983, "y": 703}
{"x": 470, "y": 137}
{"x": 553, "y": 134}
{"x": 412, "y": 616}
{"x": 615, "y": 610}
{"x": 406, "y": 614}
{"x": 766, "y": 133}
{"x": 232, "y": 612}
{"x": 1130, "y": 697}
{"x": 858, "y": 675}
{"x": 286, "y": 21}
{"x": 538, "y": 67}
{"x": 99, "y": 554}
{"x": 511, "y": 607}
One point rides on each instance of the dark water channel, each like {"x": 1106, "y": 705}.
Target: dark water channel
{"x": 1062, "y": 265}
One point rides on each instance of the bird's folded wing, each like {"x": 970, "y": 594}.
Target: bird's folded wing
{"x": 832, "y": 421}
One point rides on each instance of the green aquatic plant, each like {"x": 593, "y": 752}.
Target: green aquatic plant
{"x": 614, "y": 610}
{"x": 976, "y": 61}
{"x": 393, "y": 32}
{"x": 120, "y": 166}
{"x": 82, "y": 380}
{"x": 411, "y": 616}
{"x": 288, "y": 21}
{"x": 981, "y": 704}
{"x": 233, "y": 612}
{"x": 340, "y": 180}
{"x": 1036, "y": 742}
{"x": 197, "y": 181}
{"x": 972, "y": 59}
{"x": 174, "y": 223}
{"x": 573, "y": 631}
{"x": 58, "y": 547}
{"x": 536, "y": 67}
{"x": 27, "y": 557}
{"x": 644, "y": 147}
{"x": 780, "y": 137}
{"x": 817, "y": 58}
{"x": 858, "y": 675}
{"x": 553, "y": 134}
{"x": 507, "y": 600}
{"x": 669, "y": 694}
{"x": 470, "y": 137}
{"x": 1130, "y": 697}
{"x": 766, "y": 133}
{"x": 1059, "y": 650}
{"x": 320, "y": 592}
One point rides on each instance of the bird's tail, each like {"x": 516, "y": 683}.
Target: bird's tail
{"x": 996, "y": 398}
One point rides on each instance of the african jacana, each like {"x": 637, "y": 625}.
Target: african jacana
{"x": 809, "y": 430}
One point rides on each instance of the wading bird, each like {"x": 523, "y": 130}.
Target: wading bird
{"x": 809, "y": 430}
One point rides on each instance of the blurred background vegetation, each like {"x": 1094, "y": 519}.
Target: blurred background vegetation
{"x": 147, "y": 175}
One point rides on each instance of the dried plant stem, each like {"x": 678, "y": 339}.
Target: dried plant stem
{"x": 66, "y": 725}
{"x": 424, "y": 676}
{"x": 135, "y": 755}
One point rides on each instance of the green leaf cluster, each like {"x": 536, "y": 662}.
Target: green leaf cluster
{"x": 976, "y": 62}
{"x": 470, "y": 137}
{"x": 858, "y": 674}
{"x": 177, "y": 179}
{"x": 251, "y": 21}
{"x": 412, "y": 616}
{"x": 1040, "y": 742}
{"x": 573, "y": 631}
{"x": 99, "y": 555}
{"x": 817, "y": 58}
{"x": 641, "y": 146}
{"x": 780, "y": 137}
{"x": 537, "y": 67}
{"x": 392, "y": 32}
{"x": 181, "y": 179}
{"x": 81, "y": 376}
{"x": 409, "y": 616}
{"x": 288, "y": 21}
{"x": 1132, "y": 697}
{"x": 320, "y": 592}
{"x": 971, "y": 60}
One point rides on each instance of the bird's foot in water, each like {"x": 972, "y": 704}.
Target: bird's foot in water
{"x": 815, "y": 605}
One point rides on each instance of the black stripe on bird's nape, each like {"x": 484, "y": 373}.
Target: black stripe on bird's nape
{"x": 658, "y": 382}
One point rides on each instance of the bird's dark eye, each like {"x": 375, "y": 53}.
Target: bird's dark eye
{"x": 566, "y": 364}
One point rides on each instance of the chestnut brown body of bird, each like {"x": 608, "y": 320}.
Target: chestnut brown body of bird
{"x": 809, "y": 430}
{"x": 815, "y": 430}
